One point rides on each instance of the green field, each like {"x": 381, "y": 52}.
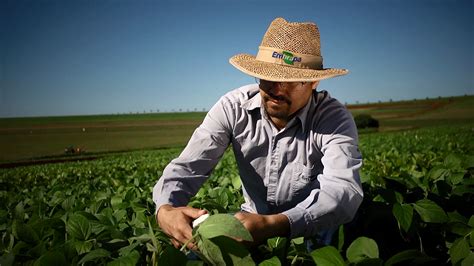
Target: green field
{"x": 26, "y": 139}
{"x": 417, "y": 209}
{"x": 418, "y": 181}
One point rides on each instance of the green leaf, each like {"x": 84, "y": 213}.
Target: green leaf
{"x": 236, "y": 183}
{"x": 362, "y": 248}
{"x": 210, "y": 252}
{"x": 328, "y": 255}
{"x": 404, "y": 215}
{"x": 82, "y": 246}
{"x": 340, "y": 238}
{"x": 19, "y": 211}
{"x": 233, "y": 252}
{"x": 278, "y": 247}
{"x": 273, "y": 261}
{"x": 471, "y": 242}
{"x": 94, "y": 255}
{"x": 24, "y": 232}
{"x": 7, "y": 259}
{"x": 370, "y": 262}
{"x": 223, "y": 225}
{"x": 119, "y": 214}
{"x": 452, "y": 161}
{"x": 459, "y": 229}
{"x": 124, "y": 251}
{"x": 172, "y": 256}
{"x": 438, "y": 173}
{"x": 51, "y": 258}
{"x": 68, "y": 203}
{"x": 130, "y": 259}
{"x": 471, "y": 221}
{"x": 430, "y": 212}
{"x": 456, "y": 217}
{"x": 79, "y": 227}
{"x": 469, "y": 260}
{"x": 456, "y": 177}
{"x": 459, "y": 250}
{"x": 405, "y": 256}
{"x": 298, "y": 240}
{"x": 115, "y": 201}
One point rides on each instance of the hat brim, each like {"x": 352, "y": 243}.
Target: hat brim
{"x": 279, "y": 73}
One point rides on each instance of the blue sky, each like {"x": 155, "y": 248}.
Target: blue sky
{"x": 60, "y": 57}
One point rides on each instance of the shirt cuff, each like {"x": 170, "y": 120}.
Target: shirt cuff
{"x": 299, "y": 222}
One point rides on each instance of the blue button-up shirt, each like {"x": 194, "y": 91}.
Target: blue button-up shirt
{"x": 308, "y": 171}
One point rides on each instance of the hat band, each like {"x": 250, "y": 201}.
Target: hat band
{"x": 286, "y": 58}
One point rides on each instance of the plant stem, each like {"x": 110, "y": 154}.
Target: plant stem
{"x": 187, "y": 242}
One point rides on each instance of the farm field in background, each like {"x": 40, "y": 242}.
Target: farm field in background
{"x": 26, "y": 139}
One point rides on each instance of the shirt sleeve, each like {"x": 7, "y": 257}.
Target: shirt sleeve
{"x": 340, "y": 194}
{"x": 183, "y": 176}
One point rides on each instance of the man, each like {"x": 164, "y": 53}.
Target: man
{"x": 296, "y": 148}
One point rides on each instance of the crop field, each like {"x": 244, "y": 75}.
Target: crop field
{"x": 39, "y": 138}
{"x": 417, "y": 208}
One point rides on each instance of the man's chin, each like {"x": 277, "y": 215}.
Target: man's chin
{"x": 280, "y": 113}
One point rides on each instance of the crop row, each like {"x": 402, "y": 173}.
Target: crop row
{"x": 418, "y": 207}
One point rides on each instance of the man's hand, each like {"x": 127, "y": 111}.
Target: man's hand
{"x": 262, "y": 227}
{"x": 176, "y": 223}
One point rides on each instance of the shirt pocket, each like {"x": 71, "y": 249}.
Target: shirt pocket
{"x": 303, "y": 180}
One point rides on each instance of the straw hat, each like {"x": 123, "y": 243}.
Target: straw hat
{"x": 289, "y": 51}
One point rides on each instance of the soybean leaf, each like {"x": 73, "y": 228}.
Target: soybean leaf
{"x": 130, "y": 259}
{"x": 51, "y": 258}
{"x": 79, "y": 227}
{"x": 459, "y": 228}
{"x": 273, "y": 261}
{"x": 469, "y": 260}
{"x": 404, "y": 215}
{"x": 438, "y": 173}
{"x": 94, "y": 255}
{"x": 82, "y": 246}
{"x": 472, "y": 238}
{"x": 115, "y": 201}
{"x": 328, "y": 255}
{"x": 7, "y": 259}
{"x": 456, "y": 177}
{"x": 340, "y": 238}
{"x": 19, "y": 211}
{"x": 362, "y": 248}
{"x": 279, "y": 246}
{"x": 172, "y": 256}
{"x": 456, "y": 217}
{"x": 210, "y": 252}
{"x": 471, "y": 221}
{"x": 233, "y": 252}
{"x": 128, "y": 249}
{"x": 24, "y": 232}
{"x": 430, "y": 212}
{"x": 299, "y": 244}
{"x": 223, "y": 225}
{"x": 452, "y": 161}
{"x": 459, "y": 250}
{"x": 406, "y": 256}
{"x": 370, "y": 262}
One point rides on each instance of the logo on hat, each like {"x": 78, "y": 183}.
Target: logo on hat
{"x": 287, "y": 57}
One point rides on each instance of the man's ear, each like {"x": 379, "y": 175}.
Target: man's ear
{"x": 314, "y": 84}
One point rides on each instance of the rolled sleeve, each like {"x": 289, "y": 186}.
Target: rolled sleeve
{"x": 183, "y": 176}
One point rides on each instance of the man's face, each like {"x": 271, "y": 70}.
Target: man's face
{"x": 282, "y": 99}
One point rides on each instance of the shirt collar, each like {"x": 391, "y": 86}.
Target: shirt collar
{"x": 302, "y": 114}
{"x": 253, "y": 103}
